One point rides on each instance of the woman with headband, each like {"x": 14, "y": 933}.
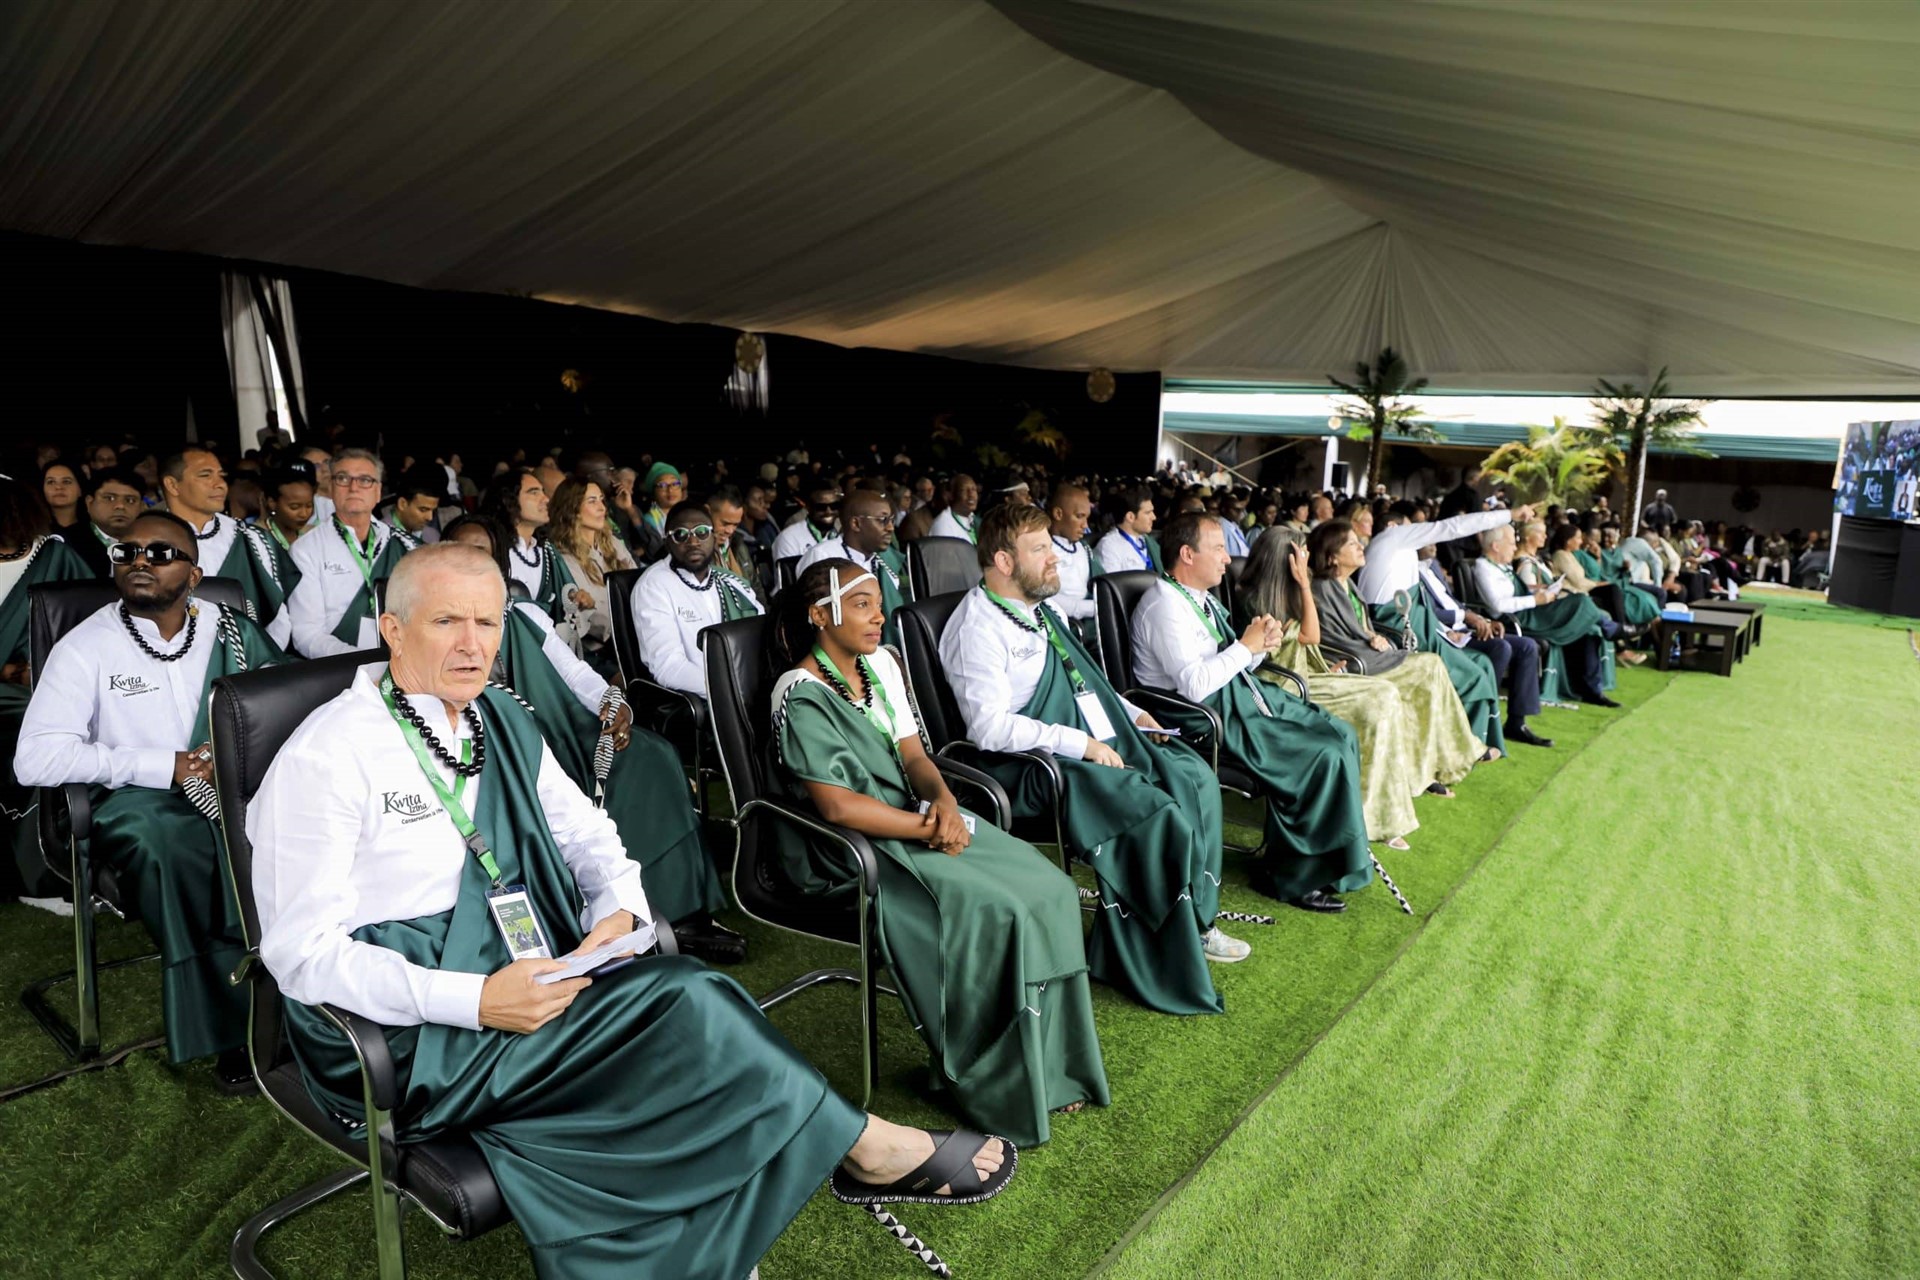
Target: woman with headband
{"x": 980, "y": 929}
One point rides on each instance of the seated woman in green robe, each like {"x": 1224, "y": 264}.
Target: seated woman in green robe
{"x": 980, "y": 929}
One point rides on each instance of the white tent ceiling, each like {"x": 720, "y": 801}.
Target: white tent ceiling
{"x": 1520, "y": 193}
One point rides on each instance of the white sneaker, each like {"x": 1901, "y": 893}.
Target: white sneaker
{"x": 58, "y": 906}
{"x": 1222, "y": 949}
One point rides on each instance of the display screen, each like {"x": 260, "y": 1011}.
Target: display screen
{"x": 1880, "y": 471}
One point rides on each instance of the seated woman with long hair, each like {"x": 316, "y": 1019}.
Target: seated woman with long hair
{"x": 578, "y": 527}
{"x": 1445, "y": 743}
{"x": 1275, "y": 583}
{"x": 980, "y": 930}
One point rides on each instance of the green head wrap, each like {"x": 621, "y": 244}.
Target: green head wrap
{"x": 658, "y": 470}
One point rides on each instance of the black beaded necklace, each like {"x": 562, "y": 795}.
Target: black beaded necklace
{"x": 845, "y": 690}
{"x": 193, "y": 619}
{"x": 681, "y": 574}
{"x": 8, "y": 556}
{"x": 532, "y": 561}
{"x": 460, "y": 767}
{"x": 212, "y": 529}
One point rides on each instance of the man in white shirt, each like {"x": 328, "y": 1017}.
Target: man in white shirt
{"x": 339, "y": 561}
{"x": 320, "y": 463}
{"x": 1127, "y": 545}
{"x": 430, "y": 874}
{"x": 959, "y": 520}
{"x": 1145, "y": 817}
{"x": 1573, "y": 623}
{"x": 822, "y": 516}
{"x": 1070, "y": 508}
{"x": 121, "y": 706}
{"x": 195, "y": 486}
{"x": 681, "y": 595}
{"x": 867, "y": 522}
{"x": 1307, "y": 762}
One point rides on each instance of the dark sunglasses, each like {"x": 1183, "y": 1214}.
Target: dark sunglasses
{"x": 155, "y": 552}
{"x": 701, "y": 531}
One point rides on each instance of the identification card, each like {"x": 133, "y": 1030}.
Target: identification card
{"x": 1094, "y": 716}
{"x": 519, "y": 927}
{"x": 1458, "y": 639}
{"x": 967, "y": 818}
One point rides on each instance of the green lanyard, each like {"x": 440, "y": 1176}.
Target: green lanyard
{"x": 1359, "y": 610}
{"x": 1206, "y": 615}
{"x": 966, "y": 527}
{"x": 888, "y": 730}
{"x": 450, "y": 800}
{"x": 99, "y": 533}
{"x": 363, "y": 559}
{"x": 1044, "y": 623}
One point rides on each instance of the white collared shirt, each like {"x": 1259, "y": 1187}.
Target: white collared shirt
{"x": 329, "y": 579}
{"x": 217, "y": 546}
{"x": 1172, "y": 648}
{"x": 1393, "y": 555}
{"x": 1120, "y": 552}
{"x": 892, "y": 682}
{"x": 1497, "y": 591}
{"x": 1451, "y": 613}
{"x": 993, "y": 666}
{"x": 668, "y": 617}
{"x": 1235, "y": 537}
{"x": 527, "y": 575}
{"x": 1076, "y": 579}
{"x": 948, "y": 525}
{"x": 795, "y": 540}
{"x": 104, "y": 712}
{"x": 347, "y": 832}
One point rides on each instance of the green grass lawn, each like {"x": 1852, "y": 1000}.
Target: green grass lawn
{"x": 1535, "y": 1058}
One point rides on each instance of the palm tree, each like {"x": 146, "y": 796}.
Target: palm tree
{"x": 1634, "y": 422}
{"x": 1377, "y": 408}
{"x": 1552, "y": 465}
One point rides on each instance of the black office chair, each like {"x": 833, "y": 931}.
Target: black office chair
{"x": 446, "y": 1177}
{"x": 1228, "y": 590}
{"x": 740, "y": 679}
{"x": 786, "y": 569}
{"x": 922, "y": 622}
{"x": 1116, "y": 596}
{"x": 680, "y": 718}
{"x": 937, "y": 566}
{"x": 65, "y": 822}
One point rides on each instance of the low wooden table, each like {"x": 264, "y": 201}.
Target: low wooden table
{"x": 1728, "y": 629}
{"x": 1755, "y": 609}
{"x": 1743, "y": 641}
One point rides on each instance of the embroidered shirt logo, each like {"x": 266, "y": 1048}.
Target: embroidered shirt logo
{"x": 409, "y": 805}
{"x": 688, "y": 615}
{"x": 130, "y": 686}
{"x": 1025, "y": 651}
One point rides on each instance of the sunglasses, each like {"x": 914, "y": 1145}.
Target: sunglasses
{"x": 157, "y": 553}
{"x": 700, "y": 531}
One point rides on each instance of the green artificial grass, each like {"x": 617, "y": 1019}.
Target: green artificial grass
{"x": 1668, "y": 1029}
{"x": 151, "y": 1171}
{"x": 1805, "y": 606}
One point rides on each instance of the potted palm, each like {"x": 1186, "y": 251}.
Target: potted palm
{"x": 1378, "y": 408}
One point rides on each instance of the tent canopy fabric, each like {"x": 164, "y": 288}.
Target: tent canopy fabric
{"x": 1519, "y": 194}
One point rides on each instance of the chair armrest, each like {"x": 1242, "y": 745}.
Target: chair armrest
{"x": 370, "y": 1047}
{"x": 663, "y": 936}
{"x": 1298, "y": 681}
{"x": 1176, "y": 706}
{"x": 968, "y": 776}
{"x": 852, "y": 841}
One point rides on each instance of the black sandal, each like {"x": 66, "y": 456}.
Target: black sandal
{"x": 953, "y": 1152}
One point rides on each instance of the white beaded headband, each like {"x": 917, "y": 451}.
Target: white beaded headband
{"x": 840, "y": 589}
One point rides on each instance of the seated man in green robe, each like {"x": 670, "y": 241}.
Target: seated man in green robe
{"x": 648, "y": 1122}
{"x": 1307, "y": 761}
{"x": 122, "y": 706}
{"x": 980, "y": 930}
{"x": 1144, "y": 816}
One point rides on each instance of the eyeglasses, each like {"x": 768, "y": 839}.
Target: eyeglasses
{"x": 666, "y": 484}
{"x": 884, "y": 521}
{"x": 699, "y": 532}
{"x": 354, "y": 482}
{"x": 157, "y": 553}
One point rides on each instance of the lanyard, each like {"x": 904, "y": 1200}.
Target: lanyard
{"x": 1044, "y": 624}
{"x": 1139, "y": 546}
{"x": 99, "y": 533}
{"x": 1206, "y": 614}
{"x": 887, "y": 729}
{"x": 1359, "y": 610}
{"x": 362, "y": 559}
{"x": 966, "y": 527}
{"x": 450, "y": 800}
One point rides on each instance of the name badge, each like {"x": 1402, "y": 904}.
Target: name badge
{"x": 519, "y": 927}
{"x": 1094, "y": 716}
{"x": 973, "y": 828}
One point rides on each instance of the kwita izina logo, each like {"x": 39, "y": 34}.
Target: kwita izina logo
{"x": 411, "y": 805}
{"x": 129, "y": 685}
{"x": 1874, "y": 490}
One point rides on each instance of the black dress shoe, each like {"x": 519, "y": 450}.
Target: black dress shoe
{"x": 233, "y": 1074}
{"x": 1521, "y": 733}
{"x": 710, "y": 940}
{"x": 1318, "y": 900}
{"x": 1599, "y": 700}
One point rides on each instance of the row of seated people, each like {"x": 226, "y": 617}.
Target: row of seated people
{"x": 1141, "y": 808}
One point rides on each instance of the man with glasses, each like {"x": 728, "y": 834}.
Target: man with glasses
{"x": 867, "y": 523}
{"x": 195, "y": 486}
{"x": 823, "y": 515}
{"x": 112, "y": 499}
{"x": 340, "y": 560}
{"x": 682, "y": 595}
{"x": 122, "y": 707}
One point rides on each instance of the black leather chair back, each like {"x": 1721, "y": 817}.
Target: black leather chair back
{"x": 922, "y": 623}
{"x": 55, "y": 608}
{"x": 1229, "y": 588}
{"x": 937, "y": 566}
{"x": 786, "y": 569}
{"x": 252, "y": 717}
{"x": 1115, "y": 596}
{"x": 740, "y": 679}
{"x": 626, "y": 638}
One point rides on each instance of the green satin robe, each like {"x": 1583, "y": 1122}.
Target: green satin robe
{"x": 986, "y": 946}
{"x": 1470, "y": 673}
{"x": 659, "y": 1127}
{"x": 262, "y": 569}
{"x": 347, "y": 630}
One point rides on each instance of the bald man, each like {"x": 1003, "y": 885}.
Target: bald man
{"x": 866, "y": 536}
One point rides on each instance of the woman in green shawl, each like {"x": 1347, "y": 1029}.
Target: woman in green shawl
{"x": 981, "y": 931}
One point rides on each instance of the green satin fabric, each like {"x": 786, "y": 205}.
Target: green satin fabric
{"x": 1475, "y": 686}
{"x": 647, "y": 795}
{"x": 659, "y": 1127}
{"x": 1151, "y": 832}
{"x": 986, "y": 946}
{"x": 1638, "y": 605}
{"x": 269, "y": 595}
{"x": 1555, "y": 626}
{"x": 1308, "y": 764}
{"x": 347, "y": 630}
{"x": 55, "y": 561}
{"x": 736, "y": 599}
